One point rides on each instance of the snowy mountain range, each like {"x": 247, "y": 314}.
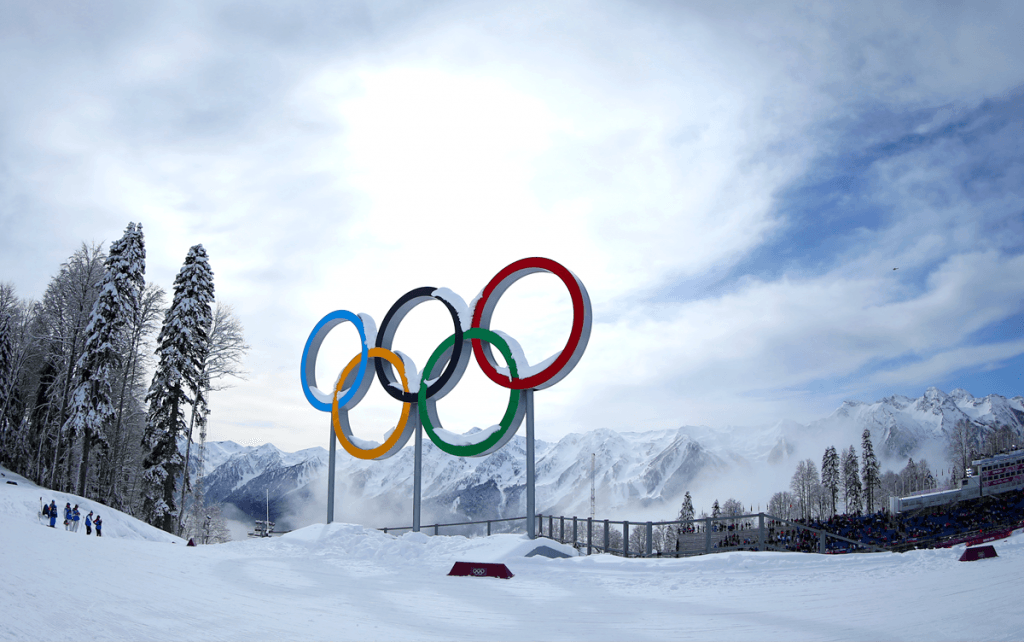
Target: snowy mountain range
{"x": 901, "y": 426}
{"x": 632, "y": 471}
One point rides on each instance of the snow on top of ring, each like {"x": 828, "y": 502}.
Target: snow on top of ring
{"x": 369, "y": 329}
{"x": 412, "y": 375}
{"x": 464, "y": 312}
{"x": 523, "y": 366}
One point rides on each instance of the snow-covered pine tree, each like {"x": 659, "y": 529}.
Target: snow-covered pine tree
{"x": 830, "y": 476}
{"x": 15, "y": 348}
{"x": 686, "y": 511}
{"x": 909, "y": 477}
{"x": 685, "y": 514}
{"x": 851, "y": 481}
{"x": 182, "y": 348}
{"x": 6, "y": 368}
{"x": 870, "y": 471}
{"x": 92, "y": 408}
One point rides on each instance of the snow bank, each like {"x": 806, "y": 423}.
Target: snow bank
{"x": 24, "y": 501}
{"x": 347, "y": 582}
{"x": 359, "y": 543}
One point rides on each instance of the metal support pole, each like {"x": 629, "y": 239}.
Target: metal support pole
{"x": 561, "y": 529}
{"x": 488, "y": 528}
{"x": 606, "y": 536}
{"x": 436, "y": 526}
{"x": 590, "y": 535}
{"x": 330, "y": 476}
{"x": 551, "y": 527}
{"x": 531, "y": 482}
{"x": 417, "y": 476}
{"x": 650, "y": 540}
{"x": 707, "y": 535}
{"x": 625, "y": 539}
{"x": 760, "y": 531}
{"x": 821, "y": 542}
{"x": 574, "y": 533}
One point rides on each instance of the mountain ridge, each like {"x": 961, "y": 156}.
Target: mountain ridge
{"x": 632, "y": 470}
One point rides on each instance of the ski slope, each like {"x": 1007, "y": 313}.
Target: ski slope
{"x": 346, "y": 582}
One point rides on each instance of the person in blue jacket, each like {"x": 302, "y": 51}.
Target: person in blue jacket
{"x": 67, "y": 516}
{"x": 75, "y": 518}
{"x": 53, "y": 514}
{"x": 99, "y": 526}
{"x": 88, "y": 523}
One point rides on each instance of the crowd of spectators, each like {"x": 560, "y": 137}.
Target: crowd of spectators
{"x": 976, "y": 516}
{"x": 927, "y": 527}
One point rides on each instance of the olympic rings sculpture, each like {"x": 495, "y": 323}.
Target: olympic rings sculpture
{"x": 444, "y": 367}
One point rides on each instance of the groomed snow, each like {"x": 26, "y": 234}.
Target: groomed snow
{"x": 344, "y": 581}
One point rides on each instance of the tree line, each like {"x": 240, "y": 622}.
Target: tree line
{"x": 92, "y": 403}
{"x": 854, "y": 483}
{"x": 845, "y": 483}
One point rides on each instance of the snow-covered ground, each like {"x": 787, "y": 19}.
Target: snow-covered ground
{"x": 343, "y": 582}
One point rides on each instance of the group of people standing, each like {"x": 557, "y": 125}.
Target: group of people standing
{"x": 72, "y": 517}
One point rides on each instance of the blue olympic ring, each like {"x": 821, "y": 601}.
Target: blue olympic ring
{"x": 319, "y": 399}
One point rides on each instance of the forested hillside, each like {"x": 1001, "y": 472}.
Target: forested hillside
{"x": 100, "y": 379}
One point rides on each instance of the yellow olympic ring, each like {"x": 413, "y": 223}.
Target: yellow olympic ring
{"x": 342, "y": 429}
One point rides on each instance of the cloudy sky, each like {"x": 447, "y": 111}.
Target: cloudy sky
{"x": 734, "y": 184}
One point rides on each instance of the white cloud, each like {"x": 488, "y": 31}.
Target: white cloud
{"x": 945, "y": 363}
{"x": 341, "y": 161}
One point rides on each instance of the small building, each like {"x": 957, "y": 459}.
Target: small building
{"x": 264, "y": 528}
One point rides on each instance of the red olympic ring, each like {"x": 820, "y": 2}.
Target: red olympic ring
{"x": 579, "y": 336}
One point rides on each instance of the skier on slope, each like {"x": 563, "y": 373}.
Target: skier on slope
{"x": 53, "y": 514}
{"x": 88, "y": 523}
{"x": 75, "y": 517}
{"x": 99, "y": 526}
{"x": 67, "y": 516}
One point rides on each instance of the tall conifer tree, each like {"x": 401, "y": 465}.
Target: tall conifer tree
{"x": 870, "y": 475}
{"x": 686, "y": 510}
{"x": 6, "y": 366}
{"x": 851, "y": 481}
{"x": 182, "y": 348}
{"x": 830, "y": 476}
{"x": 92, "y": 408}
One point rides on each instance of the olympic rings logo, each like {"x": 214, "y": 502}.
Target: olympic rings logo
{"x": 444, "y": 367}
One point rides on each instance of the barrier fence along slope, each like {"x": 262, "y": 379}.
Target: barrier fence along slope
{"x": 755, "y": 531}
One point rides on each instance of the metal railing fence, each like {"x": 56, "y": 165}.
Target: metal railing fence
{"x": 680, "y": 538}
{"x": 469, "y": 529}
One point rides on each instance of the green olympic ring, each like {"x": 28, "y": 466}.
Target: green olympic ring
{"x": 514, "y": 412}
